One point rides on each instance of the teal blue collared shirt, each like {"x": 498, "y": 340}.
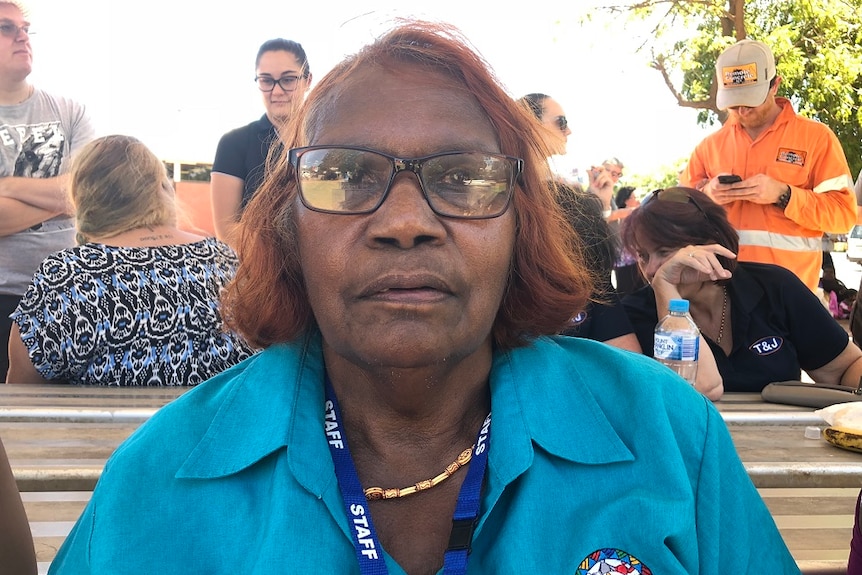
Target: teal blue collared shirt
{"x": 599, "y": 456}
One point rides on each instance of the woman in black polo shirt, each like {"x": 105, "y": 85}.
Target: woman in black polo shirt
{"x": 760, "y": 323}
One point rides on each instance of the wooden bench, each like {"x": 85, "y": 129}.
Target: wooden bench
{"x": 61, "y": 435}
{"x": 815, "y": 522}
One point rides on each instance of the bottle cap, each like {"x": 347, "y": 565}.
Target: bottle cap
{"x": 678, "y": 305}
{"x": 812, "y": 432}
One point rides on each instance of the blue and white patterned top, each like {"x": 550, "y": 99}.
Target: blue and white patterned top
{"x": 104, "y": 315}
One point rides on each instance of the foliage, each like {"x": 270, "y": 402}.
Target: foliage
{"x": 817, "y": 45}
{"x": 663, "y": 177}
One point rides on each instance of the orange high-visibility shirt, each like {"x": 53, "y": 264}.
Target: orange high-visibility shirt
{"x": 800, "y": 152}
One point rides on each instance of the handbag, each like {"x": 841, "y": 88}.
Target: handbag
{"x": 810, "y": 394}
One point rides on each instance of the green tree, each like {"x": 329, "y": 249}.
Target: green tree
{"x": 817, "y": 46}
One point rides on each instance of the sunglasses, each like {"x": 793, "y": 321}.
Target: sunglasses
{"x": 679, "y": 196}
{"x": 562, "y": 123}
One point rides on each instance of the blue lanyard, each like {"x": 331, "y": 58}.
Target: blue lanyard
{"x": 369, "y": 553}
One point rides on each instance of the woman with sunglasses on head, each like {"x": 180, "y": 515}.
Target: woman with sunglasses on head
{"x": 759, "y": 323}
{"x": 283, "y": 76}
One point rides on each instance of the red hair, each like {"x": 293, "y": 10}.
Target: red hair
{"x": 548, "y": 283}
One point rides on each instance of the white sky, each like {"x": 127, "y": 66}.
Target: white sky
{"x": 179, "y": 73}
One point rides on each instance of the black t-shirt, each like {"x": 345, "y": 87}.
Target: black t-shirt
{"x": 242, "y": 153}
{"x": 601, "y": 321}
{"x": 779, "y": 327}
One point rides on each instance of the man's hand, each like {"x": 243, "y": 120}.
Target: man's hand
{"x": 758, "y": 189}
{"x": 602, "y": 185}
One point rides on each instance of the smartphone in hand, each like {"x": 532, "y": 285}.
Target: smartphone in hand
{"x": 729, "y": 179}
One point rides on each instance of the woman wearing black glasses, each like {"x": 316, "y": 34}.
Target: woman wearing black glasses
{"x": 407, "y": 271}
{"x": 283, "y": 76}
{"x": 759, "y": 323}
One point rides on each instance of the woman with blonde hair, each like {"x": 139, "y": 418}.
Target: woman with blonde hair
{"x": 136, "y": 303}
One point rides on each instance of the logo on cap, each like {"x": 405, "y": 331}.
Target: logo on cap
{"x": 612, "y": 561}
{"x": 736, "y": 76}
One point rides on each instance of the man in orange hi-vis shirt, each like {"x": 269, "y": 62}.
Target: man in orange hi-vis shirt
{"x": 793, "y": 184}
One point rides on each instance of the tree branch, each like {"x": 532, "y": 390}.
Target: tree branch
{"x": 658, "y": 63}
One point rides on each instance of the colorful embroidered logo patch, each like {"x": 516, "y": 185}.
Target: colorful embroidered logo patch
{"x": 788, "y": 156}
{"x": 612, "y": 561}
{"x": 738, "y": 76}
{"x": 767, "y": 345}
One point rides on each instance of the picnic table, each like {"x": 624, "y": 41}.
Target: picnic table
{"x": 58, "y": 438}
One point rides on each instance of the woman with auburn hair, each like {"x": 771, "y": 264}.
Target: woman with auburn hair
{"x": 136, "y": 303}
{"x": 758, "y": 322}
{"x": 268, "y": 302}
{"x": 406, "y": 268}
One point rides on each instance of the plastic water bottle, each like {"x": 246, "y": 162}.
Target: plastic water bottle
{"x": 677, "y": 340}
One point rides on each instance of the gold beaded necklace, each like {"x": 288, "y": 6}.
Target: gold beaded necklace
{"x": 376, "y": 493}
{"x": 723, "y": 316}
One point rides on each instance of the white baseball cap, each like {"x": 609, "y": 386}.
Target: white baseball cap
{"x": 744, "y": 71}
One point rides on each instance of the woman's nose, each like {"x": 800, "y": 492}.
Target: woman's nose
{"x": 405, "y": 218}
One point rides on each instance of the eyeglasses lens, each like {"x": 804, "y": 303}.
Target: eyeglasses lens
{"x": 562, "y": 123}
{"x": 267, "y": 84}
{"x": 9, "y": 30}
{"x": 354, "y": 181}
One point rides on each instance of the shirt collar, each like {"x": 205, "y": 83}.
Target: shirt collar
{"x": 534, "y": 409}
{"x": 744, "y": 291}
{"x": 270, "y": 407}
{"x": 260, "y": 413}
{"x": 265, "y": 124}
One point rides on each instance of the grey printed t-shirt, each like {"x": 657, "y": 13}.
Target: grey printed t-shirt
{"x": 37, "y": 140}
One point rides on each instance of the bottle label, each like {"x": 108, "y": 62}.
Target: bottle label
{"x": 679, "y": 347}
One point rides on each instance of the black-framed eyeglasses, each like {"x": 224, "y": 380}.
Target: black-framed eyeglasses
{"x": 562, "y": 123}
{"x": 354, "y": 180}
{"x": 286, "y": 83}
{"x": 10, "y": 30}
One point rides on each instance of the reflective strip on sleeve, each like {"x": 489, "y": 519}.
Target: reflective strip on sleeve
{"x": 766, "y": 239}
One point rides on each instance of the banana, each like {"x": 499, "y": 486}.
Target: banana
{"x": 844, "y": 438}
